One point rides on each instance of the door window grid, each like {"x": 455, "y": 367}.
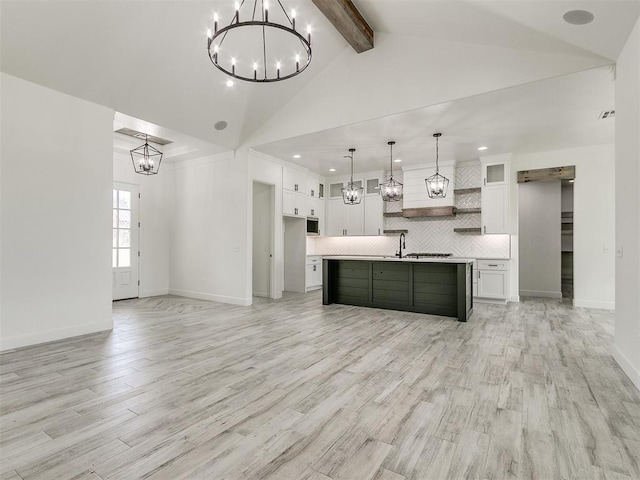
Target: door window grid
{"x": 121, "y": 245}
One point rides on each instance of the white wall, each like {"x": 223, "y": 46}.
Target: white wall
{"x": 57, "y": 174}
{"x": 358, "y": 87}
{"x": 208, "y": 229}
{"x": 627, "y": 225}
{"x": 594, "y": 219}
{"x": 539, "y": 234}
{"x": 153, "y": 263}
{"x": 268, "y": 170}
{"x": 262, "y": 238}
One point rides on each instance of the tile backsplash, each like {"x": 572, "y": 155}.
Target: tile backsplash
{"x": 425, "y": 234}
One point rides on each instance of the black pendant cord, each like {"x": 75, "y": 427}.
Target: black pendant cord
{"x": 437, "y": 137}
{"x": 437, "y": 154}
{"x": 391, "y": 161}
{"x": 351, "y": 168}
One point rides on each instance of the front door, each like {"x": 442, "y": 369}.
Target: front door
{"x": 125, "y": 241}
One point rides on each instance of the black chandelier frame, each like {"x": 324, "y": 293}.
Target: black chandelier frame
{"x": 149, "y": 155}
{"x": 264, "y": 23}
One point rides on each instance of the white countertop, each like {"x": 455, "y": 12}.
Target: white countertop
{"x": 396, "y": 259}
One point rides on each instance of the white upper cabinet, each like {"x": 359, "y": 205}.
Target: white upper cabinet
{"x": 364, "y": 218}
{"x": 294, "y": 204}
{"x": 373, "y": 218}
{"x": 495, "y": 193}
{"x": 315, "y": 186}
{"x": 294, "y": 180}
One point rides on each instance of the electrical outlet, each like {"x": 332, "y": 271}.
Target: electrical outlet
{"x": 619, "y": 252}
{"x": 236, "y": 248}
{"x": 606, "y": 249}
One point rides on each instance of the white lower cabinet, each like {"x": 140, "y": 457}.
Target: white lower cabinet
{"x": 493, "y": 279}
{"x": 314, "y": 272}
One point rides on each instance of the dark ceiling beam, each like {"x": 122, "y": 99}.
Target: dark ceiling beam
{"x": 346, "y": 18}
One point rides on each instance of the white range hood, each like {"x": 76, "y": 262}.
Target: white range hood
{"x": 415, "y": 189}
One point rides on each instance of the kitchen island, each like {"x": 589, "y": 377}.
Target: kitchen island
{"x": 437, "y": 286}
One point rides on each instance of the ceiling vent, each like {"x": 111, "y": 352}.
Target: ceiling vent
{"x": 607, "y": 114}
{"x": 136, "y": 134}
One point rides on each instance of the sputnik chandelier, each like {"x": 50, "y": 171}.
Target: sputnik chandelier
{"x": 352, "y": 193}
{"x": 259, "y": 44}
{"x": 391, "y": 190}
{"x": 437, "y": 184}
{"x": 146, "y": 159}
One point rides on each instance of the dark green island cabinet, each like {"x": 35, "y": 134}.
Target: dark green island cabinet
{"x": 434, "y": 287}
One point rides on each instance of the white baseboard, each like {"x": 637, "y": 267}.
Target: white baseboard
{"x": 245, "y": 302}
{"x": 628, "y": 368}
{"x": 591, "y": 304}
{"x": 153, "y": 293}
{"x": 9, "y": 343}
{"x": 540, "y": 293}
{"x": 515, "y": 298}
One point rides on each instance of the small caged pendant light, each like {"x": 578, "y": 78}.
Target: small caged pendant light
{"x": 437, "y": 184}
{"x": 352, "y": 194}
{"x": 391, "y": 190}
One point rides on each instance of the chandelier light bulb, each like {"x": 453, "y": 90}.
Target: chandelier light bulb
{"x": 293, "y": 14}
{"x": 208, "y": 33}
{"x": 309, "y": 34}
{"x": 237, "y": 7}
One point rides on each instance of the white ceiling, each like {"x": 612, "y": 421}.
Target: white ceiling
{"x": 547, "y": 115}
{"x": 148, "y": 60}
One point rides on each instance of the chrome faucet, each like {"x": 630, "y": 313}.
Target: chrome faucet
{"x": 402, "y": 245}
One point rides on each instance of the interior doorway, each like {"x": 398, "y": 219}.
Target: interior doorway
{"x": 125, "y": 227}
{"x": 545, "y": 233}
{"x": 263, "y": 239}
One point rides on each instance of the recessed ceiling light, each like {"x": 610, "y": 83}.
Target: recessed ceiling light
{"x": 578, "y": 17}
{"x": 397, "y": 160}
{"x": 332, "y": 169}
{"x": 297, "y": 155}
{"x": 229, "y": 83}
{"x": 482, "y": 148}
{"x": 221, "y": 125}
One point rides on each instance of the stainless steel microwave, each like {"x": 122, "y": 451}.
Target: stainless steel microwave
{"x": 313, "y": 226}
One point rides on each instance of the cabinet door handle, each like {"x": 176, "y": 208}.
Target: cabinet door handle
{"x": 378, "y": 231}
{"x": 485, "y": 229}
{"x": 312, "y": 193}
{"x": 314, "y": 268}
{"x": 295, "y": 187}
{"x": 492, "y": 264}
{"x": 295, "y": 211}
{"x": 312, "y": 211}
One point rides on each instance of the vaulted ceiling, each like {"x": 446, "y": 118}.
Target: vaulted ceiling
{"x": 147, "y": 60}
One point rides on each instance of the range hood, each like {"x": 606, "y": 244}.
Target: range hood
{"x": 416, "y": 197}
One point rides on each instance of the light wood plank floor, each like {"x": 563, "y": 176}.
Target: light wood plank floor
{"x": 293, "y": 390}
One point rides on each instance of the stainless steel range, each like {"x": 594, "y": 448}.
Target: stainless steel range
{"x": 429, "y": 255}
